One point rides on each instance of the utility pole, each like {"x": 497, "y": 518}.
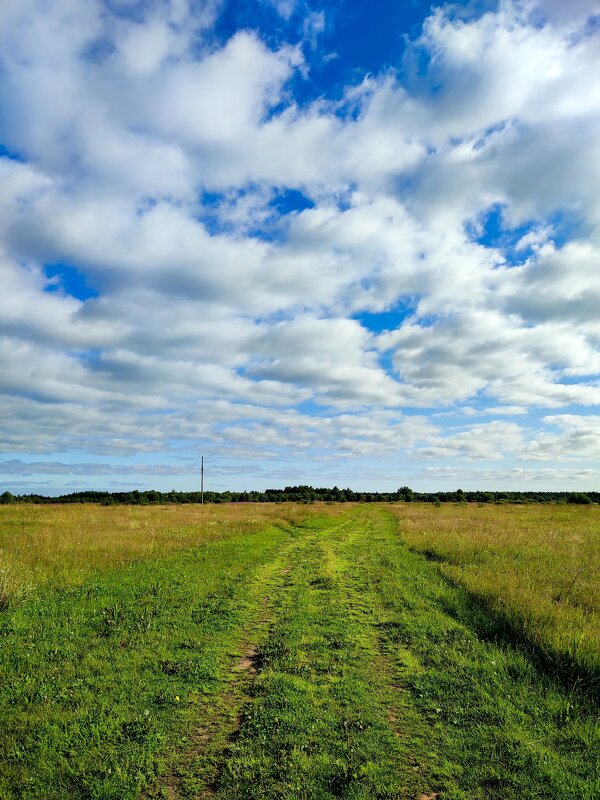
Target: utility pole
{"x": 202, "y": 482}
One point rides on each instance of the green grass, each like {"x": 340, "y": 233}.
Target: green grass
{"x": 318, "y": 725}
{"x": 97, "y": 680}
{"x": 66, "y": 545}
{"x": 321, "y": 658}
{"x": 491, "y": 725}
{"x": 375, "y": 685}
{"x": 533, "y": 571}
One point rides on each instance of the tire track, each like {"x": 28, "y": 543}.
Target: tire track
{"x": 317, "y": 725}
{"x": 197, "y": 763}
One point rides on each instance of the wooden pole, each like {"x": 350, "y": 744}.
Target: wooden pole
{"x": 202, "y": 482}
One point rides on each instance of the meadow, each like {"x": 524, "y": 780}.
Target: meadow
{"x": 289, "y": 651}
{"x": 61, "y": 546}
{"x": 537, "y": 570}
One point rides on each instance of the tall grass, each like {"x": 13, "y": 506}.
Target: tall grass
{"x": 536, "y": 567}
{"x": 63, "y": 545}
{"x": 13, "y": 585}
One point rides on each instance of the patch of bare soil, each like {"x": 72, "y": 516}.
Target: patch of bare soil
{"x": 249, "y": 661}
{"x": 200, "y": 741}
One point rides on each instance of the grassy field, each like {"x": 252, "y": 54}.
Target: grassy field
{"x": 299, "y": 652}
{"x": 535, "y": 568}
{"x": 63, "y": 546}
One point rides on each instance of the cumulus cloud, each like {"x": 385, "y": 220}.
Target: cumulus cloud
{"x": 492, "y": 479}
{"x": 578, "y": 438}
{"x": 322, "y": 274}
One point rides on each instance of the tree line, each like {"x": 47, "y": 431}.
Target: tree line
{"x": 304, "y": 494}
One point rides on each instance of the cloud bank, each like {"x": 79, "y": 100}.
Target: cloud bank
{"x": 198, "y": 254}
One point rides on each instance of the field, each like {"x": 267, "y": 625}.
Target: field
{"x": 286, "y": 651}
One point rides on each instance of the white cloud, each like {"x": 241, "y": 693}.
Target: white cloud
{"x": 142, "y": 48}
{"x": 561, "y": 285}
{"x": 525, "y": 479}
{"x": 218, "y": 315}
{"x": 560, "y": 12}
{"x": 578, "y": 439}
{"x": 489, "y": 441}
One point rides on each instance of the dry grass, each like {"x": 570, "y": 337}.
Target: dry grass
{"x": 537, "y": 565}
{"x": 63, "y": 545}
{"x": 13, "y": 583}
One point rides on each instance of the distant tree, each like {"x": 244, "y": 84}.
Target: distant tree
{"x": 6, "y": 498}
{"x": 406, "y": 493}
{"x": 578, "y": 498}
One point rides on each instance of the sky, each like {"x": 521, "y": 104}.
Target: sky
{"x": 328, "y": 243}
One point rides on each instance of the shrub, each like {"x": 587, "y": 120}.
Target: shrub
{"x": 579, "y": 499}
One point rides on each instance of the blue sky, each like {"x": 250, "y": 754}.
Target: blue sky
{"x": 328, "y": 243}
